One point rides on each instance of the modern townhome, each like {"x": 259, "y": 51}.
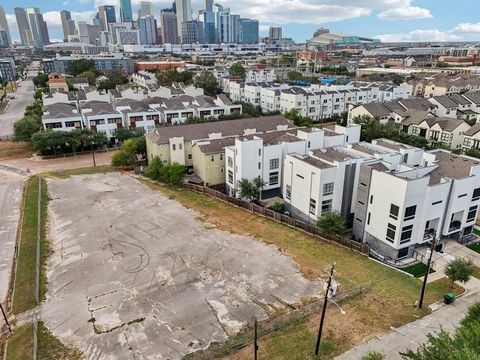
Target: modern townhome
{"x": 61, "y": 117}
{"x": 331, "y": 175}
{"x": 178, "y": 109}
{"x": 144, "y": 78}
{"x": 460, "y": 106}
{"x": 173, "y": 144}
{"x": 438, "y": 197}
{"x": 138, "y": 114}
{"x": 101, "y": 117}
{"x": 441, "y": 131}
{"x": 80, "y": 83}
{"x": 60, "y": 96}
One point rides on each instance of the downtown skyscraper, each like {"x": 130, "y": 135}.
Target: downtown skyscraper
{"x": 184, "y": 13}
{"x": 4, "y": 24}
{"x": 125, "y": 8}
{"x": 106, "y": 15}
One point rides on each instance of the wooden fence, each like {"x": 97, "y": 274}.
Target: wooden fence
{"x": 281, "y": 218}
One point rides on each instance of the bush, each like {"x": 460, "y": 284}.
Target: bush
{"x": 373, "y": 355}
{"x": 277, "y": 206}
{"x": 459, "y": 270}
{"x": 332, "y": 223}
{"x": 169, "y": 174}
{"x": 120, "y": 158}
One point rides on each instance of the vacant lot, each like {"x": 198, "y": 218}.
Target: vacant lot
{"x": 15, "y": 150}
{"x": 390, "y": 302}
{"x": 136, "y": 275}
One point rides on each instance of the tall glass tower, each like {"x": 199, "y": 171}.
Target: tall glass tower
{"x": 125, "y": 7}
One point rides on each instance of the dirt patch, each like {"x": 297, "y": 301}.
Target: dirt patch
{"x": 15, "y": 150}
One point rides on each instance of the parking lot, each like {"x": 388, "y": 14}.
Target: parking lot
{"x": 135, "y": 275}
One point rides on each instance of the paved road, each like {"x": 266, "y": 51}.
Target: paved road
{"x": 10, "y": 197}
{"x": 414, "y": 334}
{"x": 16, "y": 107}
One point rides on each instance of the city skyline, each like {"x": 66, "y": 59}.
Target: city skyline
{"x": 399, "y": 20}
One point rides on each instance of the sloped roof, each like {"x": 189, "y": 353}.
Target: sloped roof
{"x": 226, "y": 128}
{"x": 60, "y": 110}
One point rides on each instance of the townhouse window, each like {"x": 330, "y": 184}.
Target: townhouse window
{"x": 394, "y": 211}
{"x": 259, "y": 165}
{"x": 180, "y": 146}
{"x": 402, "y": 253}
{"x": 212, "y": 157}
{"x": 273, "y": 178}
{"x": 476, "y": 194}
{"x": 445, "y": 136}
{"x": 288, "y": 192}
{"x": 300, "y": 176}
{"x": 406, "y": 234}
{"x": 462, "y": 195}
{"x": 414, "y": 130}
{"x": 391, "y": 229}
{"x": 274, "y": 164}
{"x": 174, "y": 147}
{"x": 472, "y": 213}
{"x": 437, "y": 202}
{"x": 221, "y": 157}
{"x": 230, "y": 161}
{"x": 326, "y": 206}
{"x": 368, "y": 218}
{"x": 328, "y": 189}
{"x": 410, "y": 212}
{"x": 259, "y": 152}
{"x": 371, "y": 199}
{"x": 313, "y": 206}
{"x": 189, "y": 156}
{"x": 230, "y": 176}
{"x": 467, "y": 141}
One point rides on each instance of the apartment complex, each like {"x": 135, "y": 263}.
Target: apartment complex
{"x": 316, "y": 102}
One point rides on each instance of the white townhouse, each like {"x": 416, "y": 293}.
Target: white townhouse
{"x": 61, "y": 117}
{"x": 471, "y": 138}
{"x": 102, "y": 117}
{"x": 236, "y": 90}
{"x": 263, "y": 155}
{"x": 260, "y": 75}
{"x": 177, "y": 110}
{"x": 252, "y": 91}
{"x": 138, "y": 114}
{"x": 439, "y": 196}
{"x": 144, "y": 78}
{"x": 80, "y": 83}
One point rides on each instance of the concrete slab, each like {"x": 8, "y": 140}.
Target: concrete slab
{"x": 136, "y": 275}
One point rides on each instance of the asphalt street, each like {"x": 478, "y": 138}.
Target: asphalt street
{"x": 16, "y": 107}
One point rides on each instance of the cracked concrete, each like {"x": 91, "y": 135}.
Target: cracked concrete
{"x": 136, "y": 275}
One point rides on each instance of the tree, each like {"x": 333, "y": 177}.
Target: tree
{"x": 332, "y": 223}
{"x": 167, "y": 76}
{"x": 373, "y": 355}
{"x": 294, "y": 75}
{"x": 237, "y": 69}
{"x": 207, "y": 81}
{"x": 106, "y": 85}
{"x": 41, "y": 80}
{"x": 90, "y": 75}
{"x": 463, "y": 344}
{"x": 459, "y": 270}
{"x": 55, "y": 142}
{"x": 24, "y": 129}
{"x": 251, "y": 190}
{"x": 79, "y": 66}
{"x": 298, "y": 119}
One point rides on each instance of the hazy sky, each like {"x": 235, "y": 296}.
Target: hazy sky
{"x": 389, "y": 20}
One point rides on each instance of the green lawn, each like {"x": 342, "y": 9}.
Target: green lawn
{"x": 20, "y": 345}
{"x": 417, "y": 270}
{"x": 390, "y": 302}
{"x": 24, "y": 288}
{"x": 475, "y": 247}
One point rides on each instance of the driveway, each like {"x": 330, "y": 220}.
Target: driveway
{"x": 414, "y": 334}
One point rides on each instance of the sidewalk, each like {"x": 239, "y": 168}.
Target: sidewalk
{"x": 414, "y": 334}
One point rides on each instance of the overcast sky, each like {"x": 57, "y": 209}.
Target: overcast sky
{"x": 389, "y": 20}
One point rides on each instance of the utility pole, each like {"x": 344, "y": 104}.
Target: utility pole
{"x": 324, "y": 309}
{"x": 255, "y": 346}
{"x": 93, "y": 156}
{"x": 5, "y": 318}
{"x": 424, "y": 286}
